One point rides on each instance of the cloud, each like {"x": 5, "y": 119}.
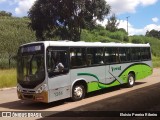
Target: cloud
{"x": 128, "y": 6}
{"x": 134, "y": 31}
{"x": 131, "y": 29}
{"x": 103, "y": 23}
{"x": 122, "y": 6}
{"x": 12, "y": 2}
{"x": 23, "y": 7}
{"x": 118, "y": 6}
{"x": 155, "y": 19}
{"x": 148, "y": 2}
{"x": 152, "y": 26}
{"x": 1, "y": 1}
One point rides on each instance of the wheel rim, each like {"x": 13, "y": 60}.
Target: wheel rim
{"x": 131, "y": 80}
{"x": 78, "y": 92}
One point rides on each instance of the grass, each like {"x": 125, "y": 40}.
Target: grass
{"x": 8, "y": 78}
{"x": 156, "y": 61}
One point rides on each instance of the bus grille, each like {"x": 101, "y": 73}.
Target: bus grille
{"x": 28, "y": 96}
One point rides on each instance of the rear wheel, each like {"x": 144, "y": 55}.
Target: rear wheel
{"x": 78, "y": 92}
{"x": 131, "y": 80}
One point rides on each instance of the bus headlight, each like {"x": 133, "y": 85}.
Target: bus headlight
{"x": 42, "y": 88}
{"x": 18, "y": 89}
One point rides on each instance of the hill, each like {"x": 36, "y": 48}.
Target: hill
{"x": 15, "y": 31}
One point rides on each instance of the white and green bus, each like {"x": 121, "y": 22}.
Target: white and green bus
{"x": 53, "y": 70}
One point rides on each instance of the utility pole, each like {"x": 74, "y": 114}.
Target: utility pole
{"x": 127, "y": 23}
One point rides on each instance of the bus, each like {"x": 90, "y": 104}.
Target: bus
{"x": 48, "y": 71}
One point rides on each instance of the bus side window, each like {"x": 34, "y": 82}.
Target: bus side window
{"x": 145, "y": 53}
{"x": 107, "y": 55}
{"x": 77, "y": 57}
{"x": 95, "y": 56}
{"x": 111, "y": 55}
{"x": 136, "y": 55}
{"x": 128, "y": 54}
{"x": 124, "y": 54}
{"x": 148, "y": 53}
{"x": 57, "y": 62}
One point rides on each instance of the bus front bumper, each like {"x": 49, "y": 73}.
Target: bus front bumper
{"x": 38, "y": 97}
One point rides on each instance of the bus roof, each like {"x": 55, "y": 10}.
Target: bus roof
{"x": 67, "y": 43}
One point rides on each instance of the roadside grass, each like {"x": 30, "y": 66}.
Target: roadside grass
{"x": 8, "y": 78}
{"x": 156, "y": 61}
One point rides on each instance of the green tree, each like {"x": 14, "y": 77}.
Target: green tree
{"x": 153, "y": 33}
{"x": 65, "y": 18}
{"x": 14, "y": 32}
{"x": 112, "y": 24}
{"x": 123, "y": 30}
{"x": 4, "y": 13}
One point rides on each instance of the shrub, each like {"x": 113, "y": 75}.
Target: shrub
{"x": 137, "y": 39}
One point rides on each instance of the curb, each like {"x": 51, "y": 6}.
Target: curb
{"x": 2, "y": 89}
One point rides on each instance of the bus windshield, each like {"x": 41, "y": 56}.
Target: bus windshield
{"x": 31, "y": 69}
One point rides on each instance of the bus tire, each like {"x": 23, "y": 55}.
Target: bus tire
{"x": 131, "y": 80}
{"x": 78, "y": 92}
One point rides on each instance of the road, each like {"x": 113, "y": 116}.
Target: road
{"x": 145, "y": 95}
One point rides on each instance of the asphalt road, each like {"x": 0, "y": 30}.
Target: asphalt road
{"x": 144, "y": 96}
{"x": 140, "y": 101}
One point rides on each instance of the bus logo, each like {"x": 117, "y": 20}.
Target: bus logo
{"x": 116, "y": 68}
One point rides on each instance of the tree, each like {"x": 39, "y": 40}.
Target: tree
{"x": 14, "y": 32}
{"x": 153, "y": 33}
{"x": 65, "y": 18}
{"x": 112, "y": 24}
{"x": 4, "y": 13}
{"x": 123, "y": 30}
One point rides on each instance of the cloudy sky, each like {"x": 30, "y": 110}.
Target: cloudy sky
{"x": 143, "y": 14}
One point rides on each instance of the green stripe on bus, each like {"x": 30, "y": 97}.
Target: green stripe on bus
{"x": 141, "y": 71}
{"x": 93, "y": 86}
{"x": 92, "y": 75}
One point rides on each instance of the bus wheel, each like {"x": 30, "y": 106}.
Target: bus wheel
{"x": 131, "y": 80}
{"x": 78, "y": 92}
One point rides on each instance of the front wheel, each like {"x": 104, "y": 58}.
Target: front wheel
{"x": 131, "y": 80}
{"x": 78, "y": 92}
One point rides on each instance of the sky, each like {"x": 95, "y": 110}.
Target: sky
{"x": 142, "y": 15}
